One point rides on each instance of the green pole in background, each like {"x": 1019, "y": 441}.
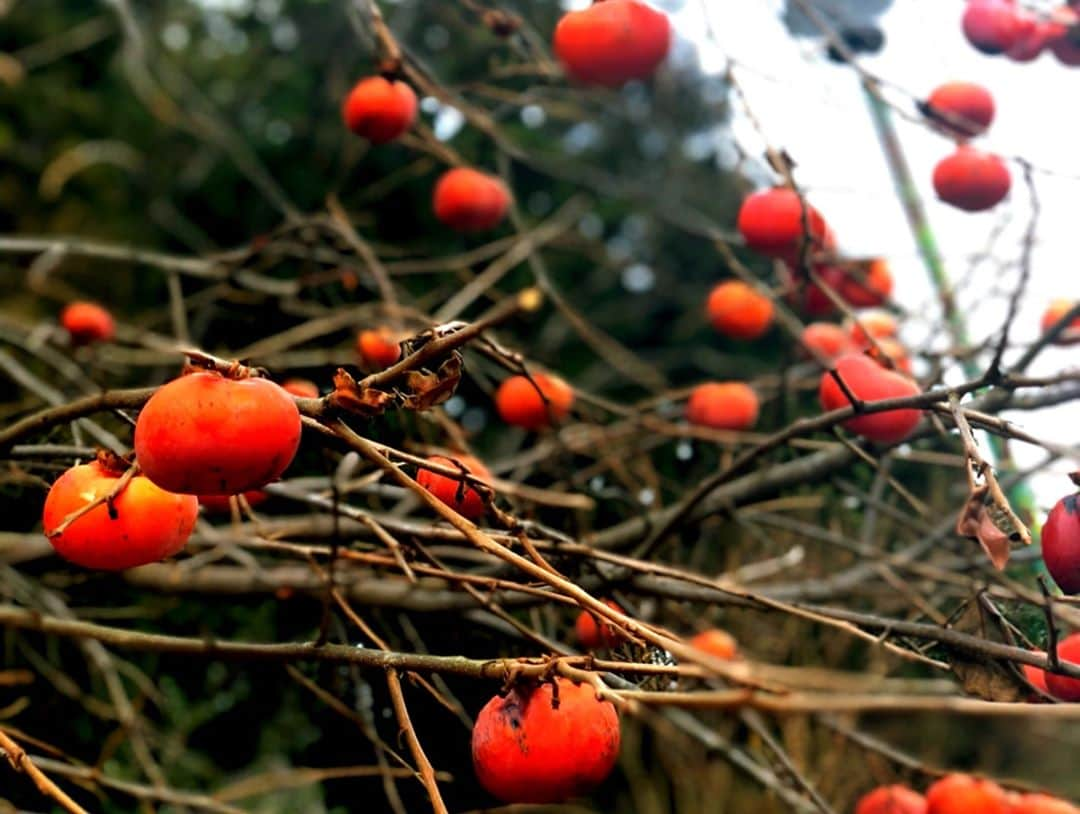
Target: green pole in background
{"x": 1020, "y": 495}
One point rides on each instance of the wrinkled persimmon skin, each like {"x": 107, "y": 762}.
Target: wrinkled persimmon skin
{"x": 963, "y": 794}
{"x": 204, "y": 434}
{"x": 1061, "y": 543}
{"x": 87, "y": 322}
{"x": 891, "y": 800}
{"x": 377, "y": 348}
{"x": 463, "y": 499}
{"x": 468, "y": 200}
{"x": 965, "y": 109}
{"x": 723, "y": 406}
{"x": 612, "y": 42}
{"x": 869, "y": 382}
{"x": 738, "y": 311}
{"x": 527, "y": 751}
{"x": 1041, "y": 804}
{"x": 592, "y": 634}
{"x": 716, "y": 643}
{"x": 380, "y": 109}
{"x": 148, "y": 523}
{"x": 1064, "y": 687}
{"x": 972, "y": 180}
{"x": 519, "y": 403}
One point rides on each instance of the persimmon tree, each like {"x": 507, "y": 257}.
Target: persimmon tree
{"x": 584, "y": 412}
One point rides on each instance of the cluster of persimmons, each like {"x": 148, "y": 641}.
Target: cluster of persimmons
{"x": 212, "y": 434}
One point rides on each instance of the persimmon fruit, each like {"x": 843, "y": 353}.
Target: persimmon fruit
{"x": 593, "y": 633}
{"x": 534, "y": 404}
{"x": 377, "y": 348}
{"x": 972, "y": 180}
{"x": 723, "y": 406}
{"x": 1064, "y": 687}
{"x": 145, "y": 523}
{"x": 870, "y": 382}
{"x": 827, "y": 340}
{"x": 992, "y": 26}
{"x": 1061, "y": 543}
{"x": 737, "y": 310}
{"x": 612, "y": 42}
{"x": 468, "y": 200}
{"x": 208, "y": 434}
{"x": 528, "y": 748}
{"x": 87, "y": 322}
{"x": 1053, "y": 314}
{"x": 773, "y": 222}
{"x": 1041, "y": 804}
{"x": 456, "y": 494}
{"x": 301, "y": 388}
{"x": 717, "y": 643}
{"x": 964, "y": 109}
{"x": 380, "y": 109}
{"x": 963, "y": 794}
{"x": 891, "y": 800}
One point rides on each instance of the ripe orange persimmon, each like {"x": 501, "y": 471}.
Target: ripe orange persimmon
{"x": 1064, "y": 687}
{"x": 612, "y": 42}
{"x": 1041, "y": 804}
{"x": 865, "y": 285}
{"x": 870, "y": 382}
{"x": 891, "y": 800}
{"x": 301, "y": 388}
{"x": 1061, "y": 543}
{"x": 737, "y": 310}
{"x": 520, "y": 402}
{"x": 1053, "y": 314}
{"x": 205, "y": 434}
{"x": 87, "y": 322}
{"x": 878, "y": 324}
{"x": 468, "y": 200}
{"x": 222, "y": 504}
{"x": 972, "y": 180}
{"x": 963, "y": 794}
{"x": 723, "y": 406}
{"x": 1035, "y": 676}
{"x": 772, "y": 222}
{"x": 463, "y": 499}
{"x": 147, "y": 523}
{"x": 592, "y": 633}
{"x": 377, "y": 348}
{"x": 964, "y": 109}
{"x": 379, "y": 109}
{"x": 527, "y": 749}
{"x": 716, "y": 643}
{"x": 828, "y": 340}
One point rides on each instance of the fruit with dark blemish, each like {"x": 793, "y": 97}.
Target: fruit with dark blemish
{"x": 529, "y": 747}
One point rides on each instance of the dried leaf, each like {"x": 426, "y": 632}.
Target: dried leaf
{"x": 987, "y": 679}
{"x": 429, "y": 389}
{"x": 977, "y": 522}
{"x": 350, "y": 397}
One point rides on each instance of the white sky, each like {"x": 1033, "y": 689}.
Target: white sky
{"x": 816, "y": 111}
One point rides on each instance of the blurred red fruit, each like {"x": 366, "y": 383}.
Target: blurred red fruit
{"x": 301, "y": 388}
{"x": 878, "y": 324}
{"x": 992, "y": 26}
{"x": 1063, "y": 687}
{"x": 773, "y": 223}
{"x": 463, "y": 499}
{"x": 723, "y": 406}
{"x": 87, "y": 323}
{"x": 963, "y": 794}
{"x": 468, "y": 200}
{"x": 378, "y": 348}
{"x": 592, "y": 633}
{"x": 972, "y": 180}
{"x": 870, "y": 382}
{"x": 737, "y": 310}
{"x": 520, "y": 403}
{"x": 1041, "y": 804}
{"x": 612, "y": 42}
{"x": 1054, "y": 313}
{"x": 965, "y": 109}
{"x": 379, "y": 109}
{"x": 826, "y": 339}
{"x": 891, "y": 800}
{"x": 716, "y": 642}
